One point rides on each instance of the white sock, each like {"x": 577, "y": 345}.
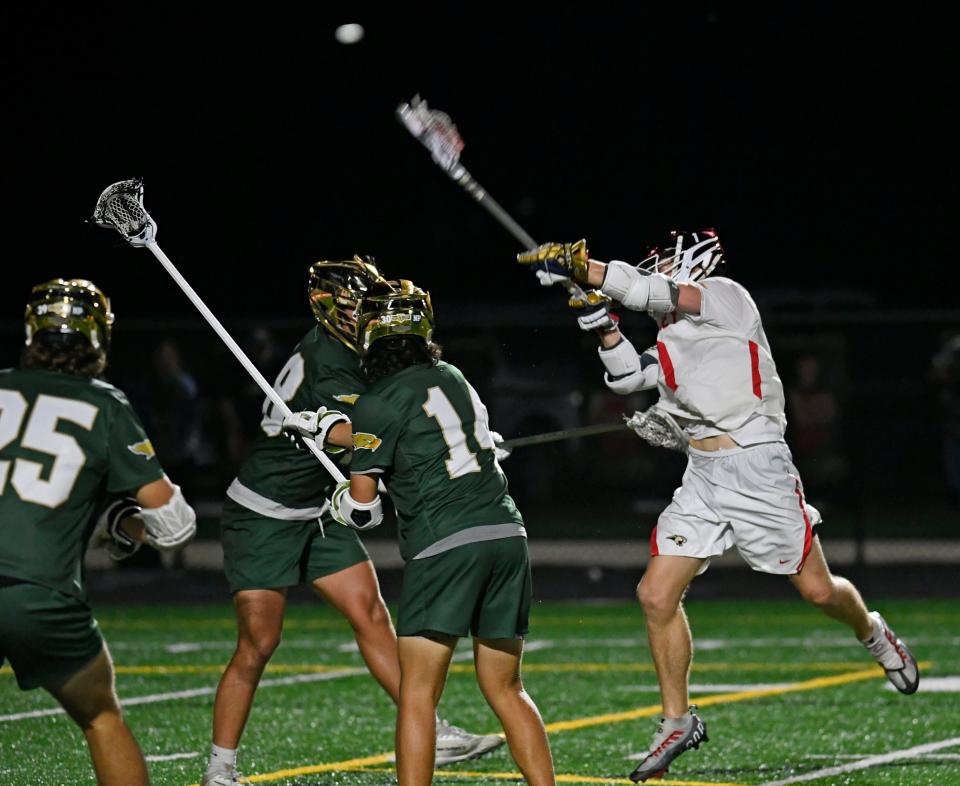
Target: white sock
{"x": 877, "y": 632}
{"x": 222, "y": 758}
{"x": 677, "y": 724}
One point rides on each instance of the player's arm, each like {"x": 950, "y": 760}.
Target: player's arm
{"x": 167, "y": 520}
{"x": 635, "y": 289}
{"x": 156, "y": 514}
{"x": 327, "y": 427}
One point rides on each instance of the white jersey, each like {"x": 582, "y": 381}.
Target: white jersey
{"x": 717, "y": 374}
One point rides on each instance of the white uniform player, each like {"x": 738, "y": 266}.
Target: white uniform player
{"x": 720, "y": 392}
{"x": 716, "y": 376}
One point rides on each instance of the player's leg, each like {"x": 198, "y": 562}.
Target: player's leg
{"x": 839, "y": 599}
{"x": 498, "y": 674}
{"x": 261, "y": 558}
{"x": 259, "y": 628}
{"x": 423, "y": 667}
{"x": 660, "y": 593}
{"x": 53, "y": 642}
{"x": 355, "y": 593}
{"x": 89, "y": 697}
{"x": 835, "y": 596}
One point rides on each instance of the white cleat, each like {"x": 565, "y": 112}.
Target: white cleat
{"x": 454, "y": 744}
{"x": 892, "y": 654}
{"x": 220, "y": 777}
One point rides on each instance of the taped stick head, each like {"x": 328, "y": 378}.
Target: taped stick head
{"x": 436, "y": 132}
{"x": 120, "y": 207}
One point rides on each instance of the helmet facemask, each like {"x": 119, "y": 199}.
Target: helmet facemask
{"x": 70, "y": 307}
{"x": 335, "y": 290}
{"x": 685, "y": 256}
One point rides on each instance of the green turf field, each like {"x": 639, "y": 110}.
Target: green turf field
{"x": 785, "y": 693}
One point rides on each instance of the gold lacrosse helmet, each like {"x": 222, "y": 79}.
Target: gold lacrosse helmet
{"x": 71, "y": 306}
{"x": 400, "y": 308}
{"x": 335, "y": 289}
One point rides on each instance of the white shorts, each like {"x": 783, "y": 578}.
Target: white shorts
{"x": 751, "y": 498}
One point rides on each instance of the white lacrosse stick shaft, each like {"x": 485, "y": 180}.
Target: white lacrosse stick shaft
{"x": 240, "y": 355}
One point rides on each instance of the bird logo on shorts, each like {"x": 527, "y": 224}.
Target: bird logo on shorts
{"x": 678, "y": 539}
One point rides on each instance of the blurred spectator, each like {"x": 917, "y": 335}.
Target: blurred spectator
{"x": 814, "y": 433}
{"x": 241, "y": 410}
{"x": 172, "y": 410}
{"x": 946, "y": 375}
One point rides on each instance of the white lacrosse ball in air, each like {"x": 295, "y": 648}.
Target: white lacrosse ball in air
{"x": 349, "y": 34}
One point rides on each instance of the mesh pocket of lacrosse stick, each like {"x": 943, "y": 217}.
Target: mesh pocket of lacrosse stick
{"x": 659, "y": 429}
{"x": 120, "y": 207}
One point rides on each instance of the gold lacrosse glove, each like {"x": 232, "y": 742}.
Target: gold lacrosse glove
{"x": 593, "y": 311}
{"x": 559, "y": 259}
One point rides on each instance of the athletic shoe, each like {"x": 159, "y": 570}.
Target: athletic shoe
{"x": 223, "y": 777}
{"x": 455, "y": 744}
{"x": 673, "y": 737}
{"x": 891, "y": 653}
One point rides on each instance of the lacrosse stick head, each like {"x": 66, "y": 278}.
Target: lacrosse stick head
{"x": 685, "y": 256}
{"x": 436, "y": 132}
{"x": 658, "y": 428}
{"x": 120, "y": 207}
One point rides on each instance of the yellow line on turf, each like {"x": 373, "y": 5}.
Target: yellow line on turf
{"x": 602, "y": 720}
{"x": 561, "y": 778}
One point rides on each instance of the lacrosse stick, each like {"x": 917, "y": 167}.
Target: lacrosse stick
{"x": 437, "y": 133}
{"x": 657, "y": 426}
{"x": 558, "y": 436}
{"x": 120, "y": 207}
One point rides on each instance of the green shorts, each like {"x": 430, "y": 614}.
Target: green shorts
{"x": 265, "y": 553}
{"x": 483, "y": 589}
{"x": 46, "y": 635}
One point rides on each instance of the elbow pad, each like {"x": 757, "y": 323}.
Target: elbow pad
{"x": 628, "y": 371}
{"x": 172, "y": 525}
{"x": 640, "y": 291}
{"x": 356, "y": 515}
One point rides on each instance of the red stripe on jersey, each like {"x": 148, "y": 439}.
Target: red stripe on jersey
{"x": 654, "y": 551}
{"x": 755, "y": 368}
{"x": 808, "y": 530}
{"x": 667, "y": 365}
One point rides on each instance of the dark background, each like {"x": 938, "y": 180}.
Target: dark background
{"x": 817, "y": 139}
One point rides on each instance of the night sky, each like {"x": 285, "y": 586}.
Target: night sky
{"x": 816, "y": 140}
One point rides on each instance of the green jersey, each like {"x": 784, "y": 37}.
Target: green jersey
{"x": 426, "y": 430}
{"x": 66, "y": 442}
{"x": 277, "y": 479}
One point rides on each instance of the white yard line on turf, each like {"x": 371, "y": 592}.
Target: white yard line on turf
{"x": 172, "y": 756}
{"x": 154, "y": 698}
{"x": 871, "y": 761}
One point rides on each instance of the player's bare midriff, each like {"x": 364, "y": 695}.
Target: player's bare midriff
{"x": 717, "y": 442}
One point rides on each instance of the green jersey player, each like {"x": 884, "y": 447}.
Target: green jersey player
{"x": 277, "y": 531}
{"x": 421, "y": 427}
{"x": 70, "y": 444}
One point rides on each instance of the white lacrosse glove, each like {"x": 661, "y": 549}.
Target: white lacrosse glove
{"x": 110, "y": 535}
{"x": 313, "y": 425}
{"x": 357, "y": 515}
{"x": 171, "y": 526}
{"x": 501, "y": 453}
{"x": 658, "y": 427}
{"x": 549, "y": 279}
